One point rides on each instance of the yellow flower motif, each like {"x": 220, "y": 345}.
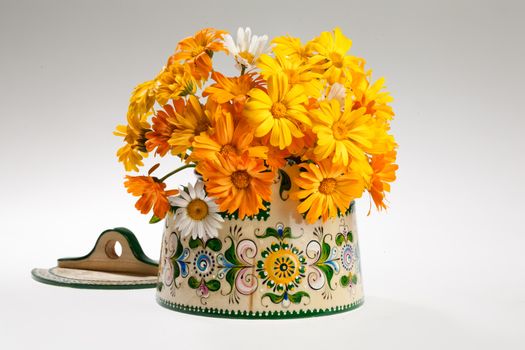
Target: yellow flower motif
{"x": 297, "y": 72}
{"x": 277, "y": 111}
{"x": 324, "y": 189}
{"x": 175, "y": 81}
{"x": 342, "y": 135}
{"x": 332, "y": 49}
{"x": 292, "y": 48}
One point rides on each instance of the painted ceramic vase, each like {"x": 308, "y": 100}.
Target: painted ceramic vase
{"x": 275, "y": 265}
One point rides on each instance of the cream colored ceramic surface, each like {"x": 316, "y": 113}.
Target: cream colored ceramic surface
{"x": 329, "y": 282}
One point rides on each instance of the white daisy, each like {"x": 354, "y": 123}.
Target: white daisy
{"x": 197, "y": 213}
{"x": 248, "y": 48}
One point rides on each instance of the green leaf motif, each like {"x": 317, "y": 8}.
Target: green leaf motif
{"x": 176, "y": 269}
{"x": 286, "y": 184}
{"x": 194, "y": 243}
{"x": 230, "y": 255}
{"x": 354, "y": 279}
{"x": 350, "y": 236}
{"x": 193, "y": 282}
{"x": 325, "y": 251}
{"x": 345, "y": 281}
{"x": 213, "y": 285}
{"x": 328, "y": 272}
{"x": 275, "y": 298}
{"x": 339, "y": 239}
{"x": 214, "y": 244}
{"x": 297, "y": 297}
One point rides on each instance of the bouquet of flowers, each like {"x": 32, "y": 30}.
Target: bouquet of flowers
{"x": 312, "y": 108}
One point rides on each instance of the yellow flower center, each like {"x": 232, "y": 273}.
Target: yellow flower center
{"x": 241, "y": 179}
{"x": 337, "y": 59}
{"x": 278, "y": 110}
{"x": 282, "y": 266}
{"x": 327, "y": 186}
{"x": 228, "y": 149}
{"x": 247, "y": 56}
{"x": 339, "y": 130}
{"x": 197, "y": 209}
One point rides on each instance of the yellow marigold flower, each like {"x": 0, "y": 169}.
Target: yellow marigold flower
{"x": 238, "y": 183}
{"x": 152, "y": 194}
{"x": 234, "y": 89}
{"x": 189, "y": 122}
{"x": 197, "y": 51}
{"x": 227, "y": 140}
{"x": 298, "y": 72}
{"x": 175, "y": 81}
{"x": 143, "y": 98}
{"x": 277, "y": 111}
{"x": 373, "y": 98}
{"x": 132, "y": 153}
{"x": 342, "y": 136}
{"x": 332, "y": 48}
{"x": 324, "y": 189}
{"x": 292, "y": 48}
{"x": 384, "y": 172}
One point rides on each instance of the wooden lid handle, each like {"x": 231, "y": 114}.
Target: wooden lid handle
{"x": 104, "y": 256}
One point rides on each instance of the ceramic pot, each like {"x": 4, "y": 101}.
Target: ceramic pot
{"x": 273, "y": 266}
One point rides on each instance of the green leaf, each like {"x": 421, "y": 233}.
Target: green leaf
{"x": 214, "y": 244}
{"x": 193, "y": 282}
{"x": 154, "y": 219}
{"x": 194, "y": 243}
{"x": 275, "y": 298}
{"x": 230, "y": 255}
{"x": 339, "y": 239}
{"x": 230, "y": 277}
{"x": 213, "y": 285}
{"x": 296, "y": 298}
{"x": 179, "y": 250}
{"x": 345, "y": 281}
{"x": 328, "y": 272}
{"x": 350, "y": 236}
{"x": 286, "y": 184}
{"x": 354, "y": 279}
{"x": 325, "y": 251}
{"x": 176, "y": 269}
{"x": 287, "y": 232}
{"x": 270, "y": 232}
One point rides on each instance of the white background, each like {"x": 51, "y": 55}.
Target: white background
{"x": 443, "y": 268}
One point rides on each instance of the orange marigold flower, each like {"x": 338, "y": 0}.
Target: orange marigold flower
{"x": 152, "y": 194}
{"x": 175, "y": 81}
{"x": 384, "y": 172}
{"x": 325, "y": 189}
{"x": 234, "y": 89}
{"x": 190, "y": 120}
{"x": 277, "y": 157}
{"x": 164, "y": 124}
{"x": 227, "y": 139}
{"x": 197, "y": 51}
{"x": 238, "y": 183}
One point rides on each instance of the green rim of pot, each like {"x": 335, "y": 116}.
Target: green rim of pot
{"x": 220, "y": 313}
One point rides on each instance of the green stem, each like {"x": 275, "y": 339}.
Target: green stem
{"x": 176, "y": 171}
{"x": 243, "y": 69}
